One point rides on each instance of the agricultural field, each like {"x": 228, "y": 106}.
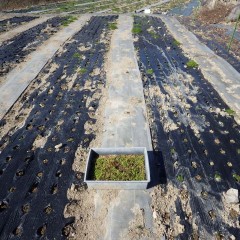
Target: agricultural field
{"x": 77, "y": 75}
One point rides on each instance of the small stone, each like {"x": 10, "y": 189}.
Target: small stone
{"x": 58, "y": 146}
{"x": 154, "y": 214}
{"x": 231, "y": 196}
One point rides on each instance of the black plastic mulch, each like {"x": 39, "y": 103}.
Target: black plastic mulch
{"x": 208, "y": 164}
{"x": 34, "y": 183}
{"x": 11, "y": 23}
{"x": 13, "y": 51}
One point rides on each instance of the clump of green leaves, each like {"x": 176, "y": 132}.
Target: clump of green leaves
{"x": 77, "y": 55}
{"x": 68, "y": 6}
{"x": 119, "y": 168}
{"x": 230, "y": 111}
{"x": 172, "y": 150}
{"x": 153, "y": 34}
{"x": 176, "y": 43}
{"x": 191, "y": 64}
{"x": 82, "y": 70}
{"x": 180, "y": 178}
{"x": 149, "y": 71}
{"x": 112, "y": 25}
{"x": 233, "y": 34}
{"x": 217, "y": 177}
{"x": 137, "y": 28}
{"x": 69, "y": 20}
{"x": 236, "y": 177}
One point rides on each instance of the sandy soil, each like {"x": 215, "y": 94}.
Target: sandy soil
{"x": 216, "y": 15}
{"x": 167, "y": 222}
{"x": 202, "y": 24}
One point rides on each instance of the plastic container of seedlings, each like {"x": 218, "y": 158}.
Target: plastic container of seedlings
{"x": 117, "y": 168}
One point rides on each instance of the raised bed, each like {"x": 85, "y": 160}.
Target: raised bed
{"x": 8, "y": 24}
{"x": 192, "y": 127}
{"x": 96, "y": 153}
{"x": 34, "y": 178}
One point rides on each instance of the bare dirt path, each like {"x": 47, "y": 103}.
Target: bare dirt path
{"x": 125, "y": 126}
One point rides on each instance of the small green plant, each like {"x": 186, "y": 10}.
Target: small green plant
{"x": 172, "y": 151}
{"x": 69, "y": 20}
{"x": 112, "y": 25}
{"x": 115, "y": 9}
{"x": 82, "y": 70}
{"x": 119, "y": 168}
{"x": 217, "y": 177}
{"x": 176, "y": 43}
{"x": 233, "y": 34}
{"x": 180, "y": 178}
{"x": 191, "y": 64}
{"x": 153, "y": 34}
{"x": 77, "y": 55}
{"x": 230, "y": 111}
{"x": 65, "y": 7}
{"x": 149, "y": 71}
{"x": 137, "y": 28}
{"x": 236, "y": 177}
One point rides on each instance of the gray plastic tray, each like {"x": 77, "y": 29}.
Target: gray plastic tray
{"x": 134, "y": 185}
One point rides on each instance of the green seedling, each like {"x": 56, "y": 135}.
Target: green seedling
{"x": 172, "y": 151}
{"x": 153, "y": 34}
{"x": 82, "y": 70}
{"x": 176, "y": 43}
{"x": 149, "y": 71}
{"x": 236, "y": 177}
{"x": 137, "y": 28}
{"x": 191, "y": 64}
{"x": 217, "y": 177}
{"x": 65, "y": 7}
{"x": 230, "y": 111}
{"x": 77, "y": 55}
{"x": 180, "y": 178}
{"x": 112, "y": 26}
{"x": 233, "y": 34}
{"x": 69, "y": 20}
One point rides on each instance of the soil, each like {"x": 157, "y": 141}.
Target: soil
{"x": 216, "y": 15}
{"x": 164, "y": 207}
{"x": 137, "y": 227}
{"x": 215, "y": 36}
